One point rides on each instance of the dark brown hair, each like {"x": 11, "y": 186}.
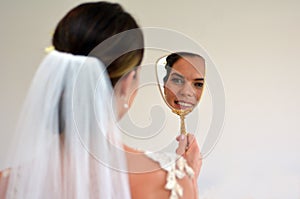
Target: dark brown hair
{"x": 89, "y": 24}
{"x": 173, "y": 58}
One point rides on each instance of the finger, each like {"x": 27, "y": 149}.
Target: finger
{"x": 190, "y": 138}
{"x": 189, "y": 141}
{"x": 192, "y": 144}
{"x": 181, "y": 145}
{"x": 179, "y": 137}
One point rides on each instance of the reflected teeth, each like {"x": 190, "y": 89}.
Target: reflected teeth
{"x": 185, "y": 104}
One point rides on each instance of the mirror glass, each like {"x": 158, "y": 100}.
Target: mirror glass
{"x": 181, "y": 78}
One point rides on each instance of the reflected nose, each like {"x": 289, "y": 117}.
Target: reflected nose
{"x": 187, "y": 90}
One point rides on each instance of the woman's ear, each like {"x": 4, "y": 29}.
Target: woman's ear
{"x": 127, "y": 83}
{"x": 125, "y": 91}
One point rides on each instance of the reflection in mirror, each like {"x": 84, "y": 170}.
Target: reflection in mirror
{"x": 181, "y": 79}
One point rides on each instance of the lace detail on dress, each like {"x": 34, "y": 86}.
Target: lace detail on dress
{"x": 176, "y": 166}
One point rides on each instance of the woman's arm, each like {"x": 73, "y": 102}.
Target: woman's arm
{"x": 188, "y": 147}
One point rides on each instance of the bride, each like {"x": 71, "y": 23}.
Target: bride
{"x": 68, "y": 144}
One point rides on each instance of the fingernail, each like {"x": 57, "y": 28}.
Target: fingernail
{"x": 182, "y": 137}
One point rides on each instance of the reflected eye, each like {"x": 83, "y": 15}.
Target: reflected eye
{"x": 178, "y": 81}
{"x": 198, "y": 84}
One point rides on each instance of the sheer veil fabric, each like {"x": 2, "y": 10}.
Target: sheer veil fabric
{"x": 67, "y": 144}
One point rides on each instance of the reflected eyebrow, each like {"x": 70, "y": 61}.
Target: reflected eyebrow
{"x": 199, "y": 79}
{"x": 176, "y": 74}
{"x": 181, "y": 76}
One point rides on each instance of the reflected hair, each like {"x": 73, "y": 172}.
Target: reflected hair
{"x": 173, "y": 58}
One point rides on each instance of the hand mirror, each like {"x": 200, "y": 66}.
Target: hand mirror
{"x": 181, "y": 78}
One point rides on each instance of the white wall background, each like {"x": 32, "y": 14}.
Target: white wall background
{"x": 256, "y": 47}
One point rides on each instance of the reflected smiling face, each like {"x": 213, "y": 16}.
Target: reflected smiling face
{"x": 184, "y": 85}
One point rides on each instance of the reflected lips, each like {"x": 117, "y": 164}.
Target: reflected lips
{"x": 183, "y": 104}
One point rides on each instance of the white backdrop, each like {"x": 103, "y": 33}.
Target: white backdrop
{"x": 256, "y": 47}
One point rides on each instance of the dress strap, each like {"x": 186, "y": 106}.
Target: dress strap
{"x": 176, "y": 167}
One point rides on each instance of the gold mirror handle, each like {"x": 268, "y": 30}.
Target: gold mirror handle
{"x": 182, "y": 114}
{"x": 182, "y": 125}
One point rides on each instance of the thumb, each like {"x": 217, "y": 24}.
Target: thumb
{"x": 182, "y": 139}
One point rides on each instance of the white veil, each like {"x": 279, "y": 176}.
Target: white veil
{"x": 67, "y": 142}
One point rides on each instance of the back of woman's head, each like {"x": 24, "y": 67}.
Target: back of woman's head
{"x": 89, "y": 24}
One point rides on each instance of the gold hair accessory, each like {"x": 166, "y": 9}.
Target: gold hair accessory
{"x": 49, "y": 49}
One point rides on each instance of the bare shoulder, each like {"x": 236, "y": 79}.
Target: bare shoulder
{"x": 148, "y": 180}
